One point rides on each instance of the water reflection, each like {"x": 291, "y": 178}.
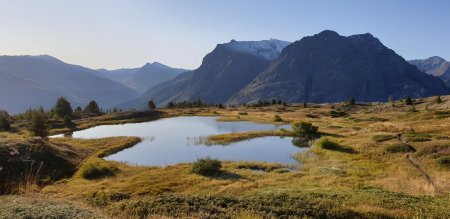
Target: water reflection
{"x": 173, "y": 140}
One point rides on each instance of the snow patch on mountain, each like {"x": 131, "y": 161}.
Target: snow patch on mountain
{"x": 269, "y": 49}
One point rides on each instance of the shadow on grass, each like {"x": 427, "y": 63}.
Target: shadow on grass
{"x": 344, "y": 149}
{"x": 225, "y": 175}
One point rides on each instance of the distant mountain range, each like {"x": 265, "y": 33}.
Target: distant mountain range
{"x": 328, "y": 67}
{"x": 141, "y": 79}
{"x": 435, "y": 66}
{"x": 34, "y": 81}
{"x": 325, "y": 67}
{"x": 223, "y": 72}
{"x": 322, "y": 68}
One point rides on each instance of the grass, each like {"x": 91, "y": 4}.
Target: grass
{"x": 400, "y": 148}
{"x": 26, "y": 207}
{"x": 348, "y": 175}
{"x": 383, "y": 138}
{"x": 224, "y": 139}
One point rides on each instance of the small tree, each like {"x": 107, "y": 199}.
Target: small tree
{"x": 78, "y": 110}
{"x": 68, "y": 122}
{"x": 409, "y": 101}
{"x": 170, "y": 105}
{"x": 63, "y": 108}
{"x": 351, "y": 101}
{"x": 92, "y": 108}
{"x": 438, "y": 99}
{"x": 39, "y": 125}
{"x": 305, "y": 104}
{"x": 151, "y": 105}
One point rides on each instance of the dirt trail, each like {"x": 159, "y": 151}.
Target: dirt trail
{"x": 424, "y": 174}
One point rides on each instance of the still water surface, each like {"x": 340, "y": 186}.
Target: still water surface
{"x": 176, "y": 140}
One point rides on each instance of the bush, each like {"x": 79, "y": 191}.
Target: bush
{"x": 242, "y": 113}
{"x": 444, "y": 161}
{"x": 400, "y": 148}
{"x": 4, "y": 124}
{"x": 277, "y": 118}
{"x": 206, "y": 166}
{"x": 304, "y": 128}
{"x": 328, "y": 144}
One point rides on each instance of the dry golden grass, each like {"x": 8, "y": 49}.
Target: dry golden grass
{"x": 366, "y": 166}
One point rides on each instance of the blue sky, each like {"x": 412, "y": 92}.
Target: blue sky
{"x": 116, "y": 34}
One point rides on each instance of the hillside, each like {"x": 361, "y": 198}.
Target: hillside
{"x": 223, "y": 72}
{"x": 328, "y": 67}
{"x": 435, "y": 66}
{"x": 141, "y": 79}
{"x": 34, "y": 81}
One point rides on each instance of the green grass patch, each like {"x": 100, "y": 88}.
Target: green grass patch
{"x": 96, "y": 168}
{"x": 328, "y": 144}
{"x": 382, "y": 138}
{"x": 417, "y": 136}
{"x": 444, "y": 161}
{"x": 400, "y": 148}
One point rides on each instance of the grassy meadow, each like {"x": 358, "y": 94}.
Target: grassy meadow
{"x": 378, "y": 160}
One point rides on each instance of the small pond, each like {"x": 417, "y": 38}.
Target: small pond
{"x": 176, "y": 140}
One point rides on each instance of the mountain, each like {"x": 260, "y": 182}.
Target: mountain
{"x": 435, "y": 66}
{"x": 223, "y": 72}
{"x": 141, "y": 79}
{"x": 328, "y": 67}
{"x": 34, "y": 81}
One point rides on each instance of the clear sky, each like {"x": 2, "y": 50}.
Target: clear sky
{"x": 129, "y": 33}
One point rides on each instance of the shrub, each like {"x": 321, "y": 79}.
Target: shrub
{"x": 328, "y": 144}
{"x": 304, "y": 128}
{"x": 409, "y": 101}
{"x": 277, "y": 118}
{"x": 382, "y": 138}
{"x": 206, "y": 166}
{"x": 444, "y": 161}
{"x": 400, "y": 148}
{"x": 242, "y": 113}
{"x": 4, "y": 124}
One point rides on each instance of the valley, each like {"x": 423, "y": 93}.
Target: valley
{"x": 372, "y": 160}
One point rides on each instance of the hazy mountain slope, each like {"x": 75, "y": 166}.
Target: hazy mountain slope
{"x": 33, "y": 81}
{"x": 328, "y": 67}
{"x": 223, "y": 72}
{"x": 435, "y": 66}
{"x": 141, "y": 79}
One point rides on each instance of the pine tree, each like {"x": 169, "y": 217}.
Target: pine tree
{"x": 39, "y": 125}
{"x": 92, "y": 108}
{"x": 151, "y": 105}
{"x": 63, "y": 108}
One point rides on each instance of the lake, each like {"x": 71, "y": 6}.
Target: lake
{"x": 176, "y": 140}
